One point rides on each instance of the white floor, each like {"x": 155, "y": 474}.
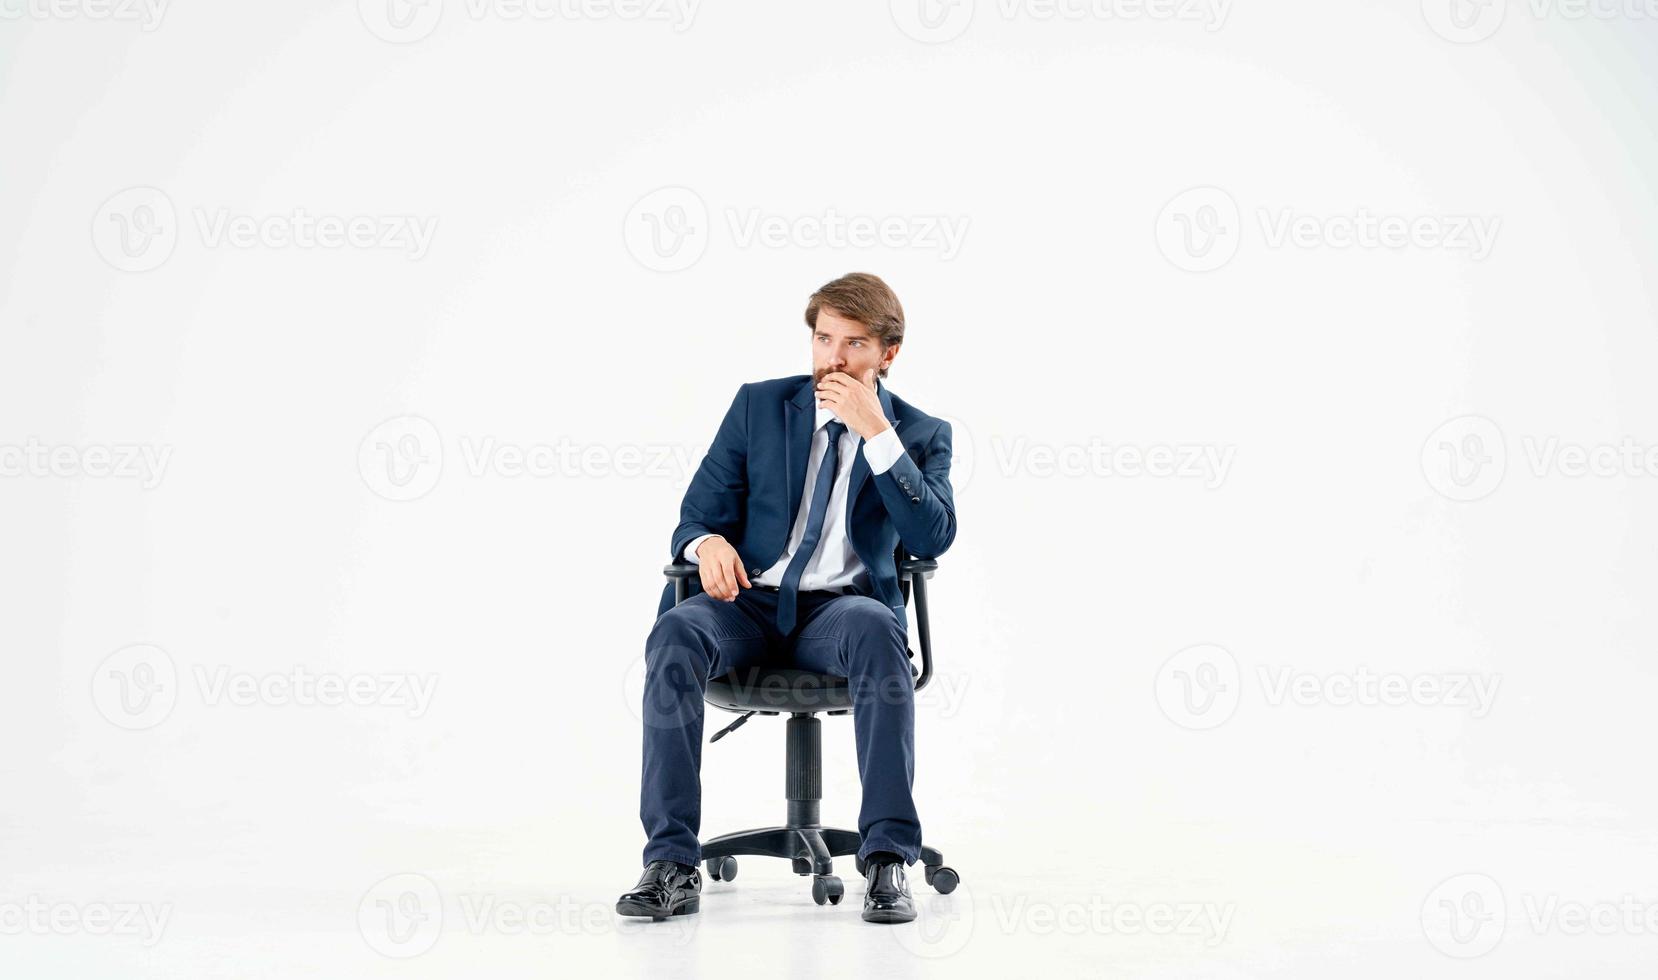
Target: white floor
{"x": 485, "y": 904}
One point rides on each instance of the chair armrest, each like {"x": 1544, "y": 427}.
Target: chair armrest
{"x": 681, "y": 573}
{"x": 911, "y": 567}
{"x": 917, "y": 571}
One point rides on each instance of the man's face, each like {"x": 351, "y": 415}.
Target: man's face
{"x": 839, "y": 344}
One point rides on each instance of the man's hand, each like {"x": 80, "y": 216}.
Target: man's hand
{"x": 854, "y": 402}
{"x": 722, "y": 569}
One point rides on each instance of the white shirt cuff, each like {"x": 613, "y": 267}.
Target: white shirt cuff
{"x": 883, "y": 450}
{"x": 691, "y": 549}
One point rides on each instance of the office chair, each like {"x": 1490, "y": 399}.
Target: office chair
{"x": 802, "y": 693}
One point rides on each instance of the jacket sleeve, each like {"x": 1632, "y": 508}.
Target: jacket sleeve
{"x": 714, "y": 501}
{"x": 918, "y": 500}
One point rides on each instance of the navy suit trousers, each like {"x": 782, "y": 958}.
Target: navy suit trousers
{"x": 853, "y": 636}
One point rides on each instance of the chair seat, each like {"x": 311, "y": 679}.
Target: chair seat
{"x": 774, "y": 690}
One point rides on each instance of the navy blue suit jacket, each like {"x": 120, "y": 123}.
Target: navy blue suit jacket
{"x": 749, "y": 486}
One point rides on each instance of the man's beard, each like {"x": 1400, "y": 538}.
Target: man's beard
{"x": 818, "y": 374}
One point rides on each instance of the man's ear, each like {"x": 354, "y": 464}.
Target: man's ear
{"x": 892, "y": 355}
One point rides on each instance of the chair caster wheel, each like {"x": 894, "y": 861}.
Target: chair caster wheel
{"x": 722, "y": 868}
{"x": 827, "y": 888}
{"x": 942, "y": 878}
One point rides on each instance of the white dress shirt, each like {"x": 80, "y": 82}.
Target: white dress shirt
{"x": 834, "y": 566}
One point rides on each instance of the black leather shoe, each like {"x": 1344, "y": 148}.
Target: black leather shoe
{"x": 888, "y": 896}
{"x": 664, "y": 889}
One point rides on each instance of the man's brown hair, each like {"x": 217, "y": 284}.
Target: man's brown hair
{"x": 863, "y": 297}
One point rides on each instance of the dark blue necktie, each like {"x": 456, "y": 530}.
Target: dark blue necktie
{"x": 789, "y": 591}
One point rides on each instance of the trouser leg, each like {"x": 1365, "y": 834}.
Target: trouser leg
{"x": 859, "y": 638}
{"x": 697, "y": 639}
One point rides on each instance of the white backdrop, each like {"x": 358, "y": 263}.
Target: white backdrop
{"x": 354, "y": 359}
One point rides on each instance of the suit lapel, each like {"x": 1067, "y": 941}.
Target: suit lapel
{"x": 798, "y": 414}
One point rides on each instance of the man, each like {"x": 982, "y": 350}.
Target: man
{"x": 793, "y": 518}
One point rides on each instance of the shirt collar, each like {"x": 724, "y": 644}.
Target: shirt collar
{"x": 824, "y": 417}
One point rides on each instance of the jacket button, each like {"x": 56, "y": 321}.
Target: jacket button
{"x": 915, "y": 500}
{"x": 754, "y": 571}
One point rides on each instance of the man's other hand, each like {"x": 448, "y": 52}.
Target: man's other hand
{"x": 722, "y": 569}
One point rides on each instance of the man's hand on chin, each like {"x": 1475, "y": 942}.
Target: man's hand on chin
{"x": 854, "y": 402}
